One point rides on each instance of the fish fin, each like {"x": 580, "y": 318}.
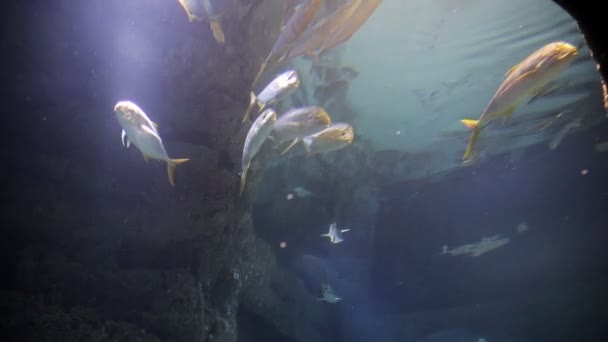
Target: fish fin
{"x": 507, "y": 115}
{"x": 474, "y": 136}
{"x": 252, "y": 101}
{"x": 125, "y": 140}
{"x": 171, "y": 164}
{"x": 470, "y": 123}
{"x": 243, "y": 179}
{"x": 307, "y": 141}
{"x": 295, "y": 141}
{"x": 324, "y": 234}
{"x": 344, "y": 230}
{"x": 218, "y": 33}
{"x": 146, "y": 157}
{"x": 150, "y": 131}
{"x": 511, "y": 69}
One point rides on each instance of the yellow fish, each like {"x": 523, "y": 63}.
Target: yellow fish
{"x": 521, "y": 82}
{"x": 332, "y": 138}
{"x": 313, "y": 39}
{"x": 304, "y": 13}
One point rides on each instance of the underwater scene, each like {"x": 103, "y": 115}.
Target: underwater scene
{"x": 303, "y": 171}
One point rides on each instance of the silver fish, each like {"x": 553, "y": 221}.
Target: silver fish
{"x": 522, "y": 81}
{"x": 334, "y": 137}
{"x": 298, "y": 123}
{"x": 138, "y": 129}
{"x": 335, "y": 234}
{"x": 257, "y": 135}
{"x": 282, "y": 85}
{"x": 328, "y": 294}
{"x": 302, "y": 192}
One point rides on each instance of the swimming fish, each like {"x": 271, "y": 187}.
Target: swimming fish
{"x": 335, "y": 234}
{"x": 138, "y": 129}
{"x": 522, "y": 81}
{"x": 282, "y": 85}
{"x": 315, "y": 36}
{"x": 303, "y": 14}
{"x": 486, "y": 244}
{"x": 328, "y": 294}
{"x": 298, "y": 123}
{"x": 302, "y": 192}
{"x": 257, "y": 135}
{"x": 334, "y": 137}
{"x": 351, "y": 25}
{"x": 205, "y": 10}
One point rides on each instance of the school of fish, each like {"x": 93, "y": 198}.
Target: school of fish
{"x": 311, "y": 125}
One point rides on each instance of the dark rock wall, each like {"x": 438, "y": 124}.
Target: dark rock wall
{"x": 98, "y": 246}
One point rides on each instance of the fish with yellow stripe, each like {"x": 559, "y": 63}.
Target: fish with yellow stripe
{"x": 138, "y": 129}
{"x": 521, "y": 82}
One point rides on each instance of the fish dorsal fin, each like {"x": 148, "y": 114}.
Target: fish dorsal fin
{"x": 125, "y": 140}
{"x": 507, "y": 114}
{"x": 504, "y": 87}
{"x": 511, "y": 69}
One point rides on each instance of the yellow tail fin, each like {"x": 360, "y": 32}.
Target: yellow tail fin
{"x": 252, "y": 102}
{"x": 470, "y": 123}
{"x": 171, "y": 164}
{"x": 474, "y": 135}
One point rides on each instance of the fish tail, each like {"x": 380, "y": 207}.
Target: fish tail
{"x": 218, "y": 33}
{"x": 243, "y": 179}
{"x": 171, "y": 164}
{"x": 252, "y": 102}
{"x": 470, "y": 123}
{"x": 474, "y": 136}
